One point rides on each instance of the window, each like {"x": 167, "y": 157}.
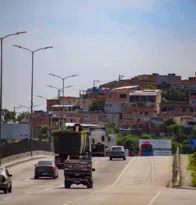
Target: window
{"x": 44, "y": 163}
{"x": 123, "y": 95}
{"x": 86, "y": 117}
{"x": 183, "y": 109}
{"x": 146, "y": 113}
{"x": 193, "y": 101}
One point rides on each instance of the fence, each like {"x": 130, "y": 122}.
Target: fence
{"x": 176, "y": 168}
{"x": 24, "y": 146}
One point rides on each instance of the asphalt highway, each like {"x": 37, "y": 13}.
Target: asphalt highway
{"x": 136, "y": 181}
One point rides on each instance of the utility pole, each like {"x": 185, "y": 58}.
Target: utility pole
{"x": 94, "y": 82}
{"x": 120, "y": 77}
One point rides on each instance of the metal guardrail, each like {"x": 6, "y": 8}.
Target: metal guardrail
{"x": 176, "y": 169}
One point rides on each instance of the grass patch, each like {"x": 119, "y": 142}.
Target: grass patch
{"x": 193, "y": 179}
{"x": 192, "y": 167}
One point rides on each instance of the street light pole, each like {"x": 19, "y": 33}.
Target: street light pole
{"x": 32, "y": 83}
{"x": 59, "y": 89}
{"x": 63, "y": 79}
{"x": 1, "y": 84}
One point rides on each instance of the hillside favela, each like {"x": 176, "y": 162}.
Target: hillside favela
{"x": 98, "y": 102}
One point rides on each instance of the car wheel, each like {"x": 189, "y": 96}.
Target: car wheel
{"x": 5, "y": 190}
{"x": 10, "y": 189}
{"x": 57, "y": 176}
{"x": 90, "y": 185}
{"x": 110, "y": 158}
{"x": 36, "y": 177}
{"x": 124, "y": 158}
{"x": 67, "y": 186}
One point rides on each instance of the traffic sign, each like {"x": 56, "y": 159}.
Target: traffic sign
{"x": 193, "y": 143}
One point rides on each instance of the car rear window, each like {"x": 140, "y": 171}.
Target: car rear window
{"x": 45, "y": 163}
{"x": 1, "y": 170}
{"x": 117, "y": 148}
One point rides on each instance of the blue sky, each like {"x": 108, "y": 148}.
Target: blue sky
{"x": 98, "y": 40}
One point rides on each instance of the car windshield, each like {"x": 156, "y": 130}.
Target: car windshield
{"x": 147, "y": 148}
{"x": 45, "y": 163}
{"x": 117, "y": 148}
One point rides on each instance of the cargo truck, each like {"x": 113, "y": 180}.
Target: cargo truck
{"x": 73, "y": 153}
{"x": 100, "y": 141}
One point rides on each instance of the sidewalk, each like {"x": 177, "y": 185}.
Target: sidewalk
{"x": 185, "y": 175}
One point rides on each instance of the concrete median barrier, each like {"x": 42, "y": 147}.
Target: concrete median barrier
{"x": 21, "y": 158}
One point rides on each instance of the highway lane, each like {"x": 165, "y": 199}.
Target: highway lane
{"x": 26, "y": 190}
{"x": 136, "y": 181}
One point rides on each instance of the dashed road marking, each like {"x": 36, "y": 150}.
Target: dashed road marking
{"x": 154, "y": 198}
{"x": 122, "y": 173}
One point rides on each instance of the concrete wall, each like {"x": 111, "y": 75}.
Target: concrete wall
{"x": 13, "y": 131}
{"x": 113, "y": 107}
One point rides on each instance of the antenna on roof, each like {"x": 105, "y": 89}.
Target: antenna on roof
{"x": 120, "y": 77}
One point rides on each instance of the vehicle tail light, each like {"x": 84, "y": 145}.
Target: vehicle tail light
{"x": 66, "y": 177}
{"x": 3, "y": 179}
{"x": 52, "y": 168}
{"x": 88, "y": 177}
{"x": 36, "y": 169}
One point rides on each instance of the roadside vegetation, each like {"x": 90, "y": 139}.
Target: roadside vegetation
{"x": 192, "y": 167}
{"x": 179, "y": 136}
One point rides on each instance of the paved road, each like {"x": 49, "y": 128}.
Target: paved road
{"x": 136, "y": 181}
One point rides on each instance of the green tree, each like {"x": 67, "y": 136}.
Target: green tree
{"x": 193, "y": 133}
{"x": 8, "y": 116}
{"x": 43, "y": 132}
{"x": 150, "y": 86}
{"x": 145, "y": 136}
{"x": 177, "y": 132}
{"x": 170, "y": 121}
{"x": 112, "y": 128}
{"x": 22, "y": 116}
{"x": 97, "y": 105}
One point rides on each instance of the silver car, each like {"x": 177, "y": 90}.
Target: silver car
{"x": 117, "y": 152}
{"x": 5, "y": 180}
{"x": 46, "y": 168}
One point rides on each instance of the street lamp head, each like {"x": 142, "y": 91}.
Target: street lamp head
{"x": 74, "y": 75}
{"x": 48, "y": 47}
{"x": 22, "y": 32}
{"x": 51, "y": 74}
{"x": 17, "y": 46}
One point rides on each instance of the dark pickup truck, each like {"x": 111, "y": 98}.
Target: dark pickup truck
{"x": 78, "y": 172}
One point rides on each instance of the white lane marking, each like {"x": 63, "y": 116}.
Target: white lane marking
{"x": 154, "y": 198}
{"x": 124, "y": 170}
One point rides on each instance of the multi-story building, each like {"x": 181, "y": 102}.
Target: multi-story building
{"x": 114, "y": 99}
{"x": 189, "y": 83}
{"x": 87, "y": 98}
{"x": 141, "y": 107}
{"x": 160, "y": 81}
{"x": 175, "y": 109}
